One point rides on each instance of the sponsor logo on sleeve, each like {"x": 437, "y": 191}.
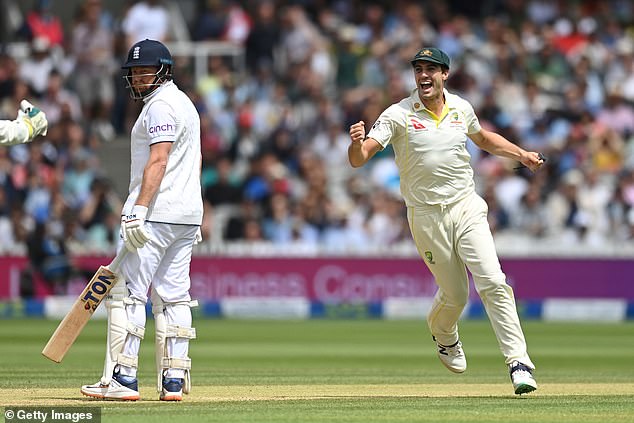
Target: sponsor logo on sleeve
{"x": 165, "y": 127}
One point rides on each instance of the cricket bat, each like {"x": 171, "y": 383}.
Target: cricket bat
{"x": 83, "y": 308}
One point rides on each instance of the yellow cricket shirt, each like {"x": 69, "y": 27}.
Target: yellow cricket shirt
{"x": 430, "y": 151}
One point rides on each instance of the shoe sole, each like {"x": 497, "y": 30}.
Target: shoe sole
{"x": 453, "y": 369}
{"x": 127, "y": 398}
{"x": 103, "y": 397}
{"x": 87, "y": 394}
{"x": 172, "y": 398}
{"x": 524, "y": 389}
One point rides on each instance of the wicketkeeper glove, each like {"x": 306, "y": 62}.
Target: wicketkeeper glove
{"x": 34, "y": 118}
{"x": 134, "y": 233}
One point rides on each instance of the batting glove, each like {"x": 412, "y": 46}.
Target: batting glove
{"x": 199, "y": 237}
{"x": 34, "y": 118}
{"x": 134, "y": 233}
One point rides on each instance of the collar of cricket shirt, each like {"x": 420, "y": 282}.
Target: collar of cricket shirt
{"x": 418, "y": 105}
{"x": 160, "y": 88}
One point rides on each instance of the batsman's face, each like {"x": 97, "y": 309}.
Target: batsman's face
{"x": 142, "y": 76}
{"x": 430, "y": 79}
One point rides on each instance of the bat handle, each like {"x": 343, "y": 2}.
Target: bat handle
{"x": 116, "y": 262}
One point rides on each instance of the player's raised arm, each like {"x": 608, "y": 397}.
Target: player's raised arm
{"x": 361, "y": 149}
{"x": 496, "y": 144}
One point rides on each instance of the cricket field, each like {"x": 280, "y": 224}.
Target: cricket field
{"x": 338, "y": 371}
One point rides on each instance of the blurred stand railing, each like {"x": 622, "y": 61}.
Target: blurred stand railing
{"x": 201, "y": 51}
{"x": 198, "y": 51}
{"x": 508, "y": 246}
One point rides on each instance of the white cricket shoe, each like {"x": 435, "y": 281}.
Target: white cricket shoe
{"x": 452, "y": 356}
{"x": 97, "y": 390}
{"x": 522, "y": 378}
{"x": 119, "y": 388}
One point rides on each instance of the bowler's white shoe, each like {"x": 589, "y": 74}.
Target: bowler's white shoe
{"x": 120, "y": 388}
{"x": 452, "y": 356}
{"x": 522, "y": 378}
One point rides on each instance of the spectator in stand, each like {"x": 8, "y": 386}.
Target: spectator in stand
{"x": 36, "y": 69}
{"x": 619, "y": 208}
{"x": 42, "y": 23}
{"x": 617, "y": 114}
{"x": 498, "y": 217}
{"x": 531, "y": 218}
{"x": 146, "y": 19}
{"x": 78, "y": 179}
{"x": 238, "y": 25}
{"x": 263, "y": 38}
{"x": 48, "y": 257}
{"x": 225, "y": 188}
{"x": 93, "y": 51}
{"x": 7, "y": 238}
{"x": 211, "y": 20}
{"x": 100, "y": 216}
{"x": 56, "y": 97}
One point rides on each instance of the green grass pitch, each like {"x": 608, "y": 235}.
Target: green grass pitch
{"x": 339, "y": 371}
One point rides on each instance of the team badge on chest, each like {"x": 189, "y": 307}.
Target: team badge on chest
{"x": 456, "y": 122}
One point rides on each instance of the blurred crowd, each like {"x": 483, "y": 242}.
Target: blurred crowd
{"x": 553, "y": 76}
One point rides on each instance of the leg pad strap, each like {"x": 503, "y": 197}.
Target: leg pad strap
{"x": 138, "y": 331}
{"x": 175, "y": 331}
{"x": 177, "y": 363}
{"x": 128, "y": 360}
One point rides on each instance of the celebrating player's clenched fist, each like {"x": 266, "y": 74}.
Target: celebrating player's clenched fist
{"x": 361, "y": 148}
{"x": 357, "y": 132}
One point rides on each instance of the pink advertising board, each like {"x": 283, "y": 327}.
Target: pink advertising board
{"x": 332, "y": 280}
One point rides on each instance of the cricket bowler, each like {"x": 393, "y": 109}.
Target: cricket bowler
{"x": 447, "y": 218}
{"x": 160, "y": 223}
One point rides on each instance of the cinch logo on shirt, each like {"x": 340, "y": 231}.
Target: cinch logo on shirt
{"x": 164, "y": 127}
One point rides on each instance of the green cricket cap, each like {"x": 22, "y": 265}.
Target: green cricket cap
{"x": 431, "y": 54}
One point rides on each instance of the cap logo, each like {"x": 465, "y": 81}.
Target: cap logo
{"x": 426, "y": 53}
{"x": 135, "y": 52}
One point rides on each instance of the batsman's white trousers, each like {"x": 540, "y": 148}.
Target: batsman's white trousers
{"x": 451, "y": 239}
{"x": 164, "y": 261}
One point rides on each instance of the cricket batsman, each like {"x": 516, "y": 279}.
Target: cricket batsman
{"x": 30, "y": 123}
{"x": 448, "y": 219}
{"x": 160, "y": 223}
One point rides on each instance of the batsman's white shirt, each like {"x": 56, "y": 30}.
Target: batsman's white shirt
{"x": 430, "y": 151}
{"x": 169, "y": 116}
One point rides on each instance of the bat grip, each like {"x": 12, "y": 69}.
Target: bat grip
{"x": 116, "y": 262}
